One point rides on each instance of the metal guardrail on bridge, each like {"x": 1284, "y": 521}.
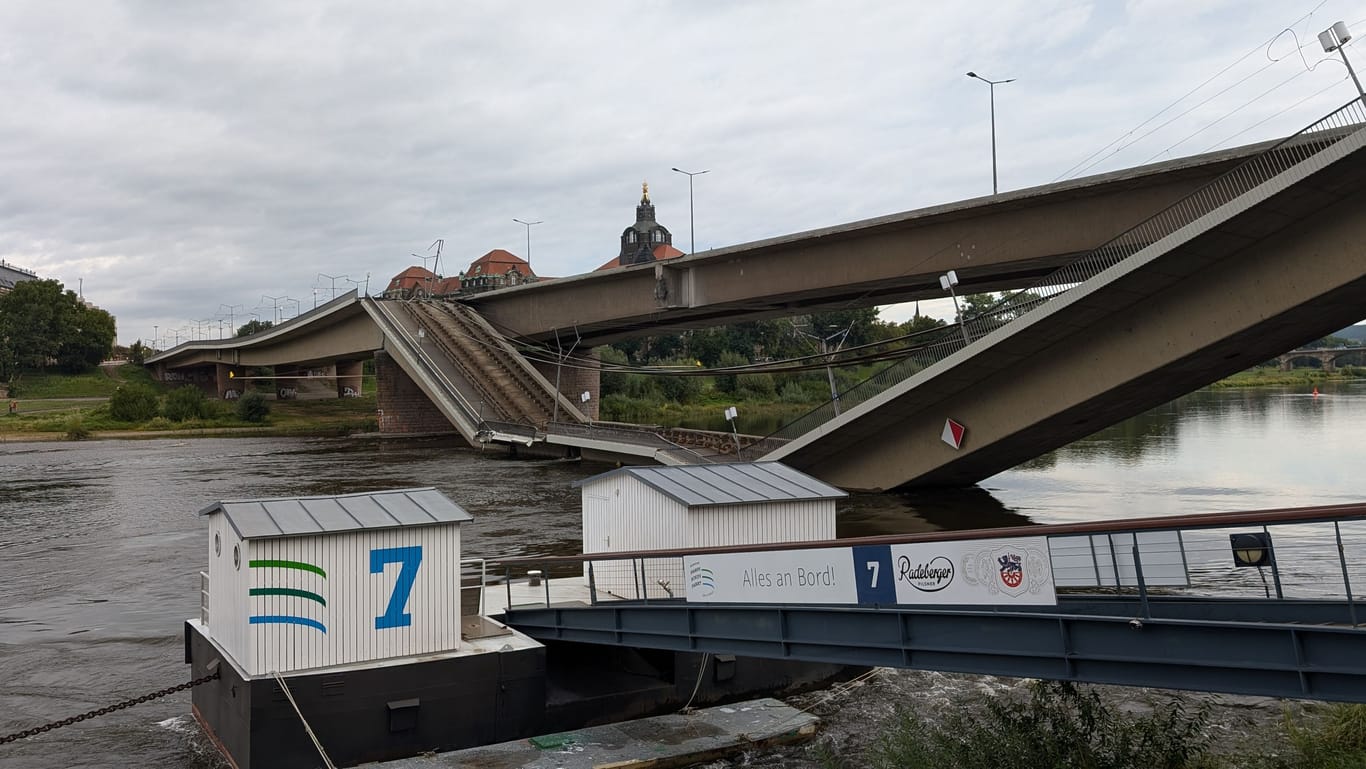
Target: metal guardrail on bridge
{"x": 1257, "y": 603}
{"x": 1310, "y": 145}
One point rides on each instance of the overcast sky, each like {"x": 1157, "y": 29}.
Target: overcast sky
{"x": 183, "y": 162}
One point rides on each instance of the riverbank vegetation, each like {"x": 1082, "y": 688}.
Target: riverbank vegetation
{"x": 125, "y": 401}
{"x": 774, "y": 371}
{"x": 1052, "y": 724}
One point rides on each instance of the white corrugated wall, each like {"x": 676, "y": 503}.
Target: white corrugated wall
{"x": 778, "y": 521}
{"x": 622, "y": 513}
{"x": 228, "y": 590}
{"x": 324, "y": 619}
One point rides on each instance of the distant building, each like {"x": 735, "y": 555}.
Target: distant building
{"x": 645, "y": 241}
{"x": 11, "y": 275}
{"x": 494, "y": 270}
{"x": 413, "y": 281}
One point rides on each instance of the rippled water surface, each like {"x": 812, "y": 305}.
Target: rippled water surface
{"x": 100, "y": 544}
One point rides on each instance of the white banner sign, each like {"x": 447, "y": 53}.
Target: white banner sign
{"x": 782, "y": 576}
{"x": 980, "y": 572}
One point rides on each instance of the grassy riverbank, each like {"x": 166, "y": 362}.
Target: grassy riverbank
{"x": 51, "y": 407}
{"x": 1270, "y": 376}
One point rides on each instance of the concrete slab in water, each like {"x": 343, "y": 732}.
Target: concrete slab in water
{"x": 648, "y": 743}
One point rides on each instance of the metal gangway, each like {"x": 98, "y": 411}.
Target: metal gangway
{"x": 1259, "y": 603}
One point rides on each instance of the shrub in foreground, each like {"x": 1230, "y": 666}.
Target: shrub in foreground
{"x": 252, "y": 407}
{"x": 1059, "y": 725}
{"x": 187, "y": 402}
{"x": 133, "y": 403}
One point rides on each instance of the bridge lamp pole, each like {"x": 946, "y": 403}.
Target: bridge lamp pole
{"x": 1333, "y": 39}
{"x": 692, "y": 229}
{"x": 991, "y": 84}
{"x": 947, "y": 281}
{"x": 528, "y": 226}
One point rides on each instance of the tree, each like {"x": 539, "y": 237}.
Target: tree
{"x": 253, "y": 326}
{"x": 41, "y": 324}
{"x": 138, "y": 352}
{"x": 87, "y": 339}
{"x": 32, "y": 317}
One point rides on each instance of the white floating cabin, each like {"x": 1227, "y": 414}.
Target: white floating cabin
{"x": 353, "y": 603}
{"x": 651, "y": 508}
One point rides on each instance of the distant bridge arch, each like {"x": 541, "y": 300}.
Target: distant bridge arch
{"x": 1328, "y": 358}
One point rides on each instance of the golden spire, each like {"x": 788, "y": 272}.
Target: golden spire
{"x": 645, "y": 192}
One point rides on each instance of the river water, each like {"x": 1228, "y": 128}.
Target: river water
{"x": 100, "y": 544}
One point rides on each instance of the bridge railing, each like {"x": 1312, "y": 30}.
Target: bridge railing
{"x": 1306, "y": 563}
{"x": 416, "y": 349}
{"x": 1313, "y": 145}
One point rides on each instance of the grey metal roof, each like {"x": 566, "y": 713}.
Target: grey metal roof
{"x": 295, "y": 516}
{"x": 729, "y": 484}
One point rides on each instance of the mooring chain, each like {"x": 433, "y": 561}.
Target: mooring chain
{"x": 109, "y": 709}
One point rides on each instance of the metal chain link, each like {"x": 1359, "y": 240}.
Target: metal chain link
{"x": 109, "y": 708}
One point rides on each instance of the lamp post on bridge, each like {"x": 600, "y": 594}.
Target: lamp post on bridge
{"x": 528, "y": 226}
{"x": 947, "y": 281}
{"x": 232, "y": 315}
{"x": 692, "y": 228}
{"x": 275, "y": 305}
{"x": 1333, "y": 39}
{"x": 992, "y": 85}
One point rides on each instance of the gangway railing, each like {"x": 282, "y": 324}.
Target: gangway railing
{"x": 1310, "y": 146}
{"x": 1261, "y": 602}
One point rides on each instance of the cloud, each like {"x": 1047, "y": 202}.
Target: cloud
{"x": 178, "y": 158}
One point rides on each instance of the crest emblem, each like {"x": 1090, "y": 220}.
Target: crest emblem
{"x": 1007, "y": 570}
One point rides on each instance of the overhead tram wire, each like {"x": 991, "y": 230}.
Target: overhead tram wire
{"x": 1084, "y": 165}
{"x": 542, "y": 355}
{"x": 1231, "y": 113}
{"x": 1275, "y": 114}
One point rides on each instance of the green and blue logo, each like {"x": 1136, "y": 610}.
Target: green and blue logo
{"x": 308, "y": 595}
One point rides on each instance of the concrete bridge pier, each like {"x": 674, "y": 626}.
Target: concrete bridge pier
{"x": 348, "y": 374}
{"x": 401, "y": 405}
{"x": 286, "y": 387}
{"x": 226, "y": 384}
{"x": 576, "y": 377}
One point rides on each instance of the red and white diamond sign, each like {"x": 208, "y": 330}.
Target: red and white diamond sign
{"x": 953, "y": 433}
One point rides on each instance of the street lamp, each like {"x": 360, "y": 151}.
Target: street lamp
{"x": 947, "y": 281}
{"x": 1333, "y": 39}
{"x": 992, "y": 85}
{"x": 692, "y": 230}
{"x": 528, "y": 226}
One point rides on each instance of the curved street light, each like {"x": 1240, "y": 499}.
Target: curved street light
{"x": 528, "y": 226}
{"x": 692, "y": 229}
{"x": 992, "y": 85}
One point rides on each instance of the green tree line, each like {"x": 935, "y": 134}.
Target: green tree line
{"x": 43, "y": 326}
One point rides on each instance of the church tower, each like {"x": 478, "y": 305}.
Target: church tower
{"x": 639, "y": 241}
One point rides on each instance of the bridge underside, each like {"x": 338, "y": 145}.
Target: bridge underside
{"x": 1229, "y": 298}
{"x": 1237, "y": 646}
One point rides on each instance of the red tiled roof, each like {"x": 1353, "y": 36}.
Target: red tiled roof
{"x": 499, "y": 262}
{"x": 662, "y": 251}
{"x": 413, "y": 276}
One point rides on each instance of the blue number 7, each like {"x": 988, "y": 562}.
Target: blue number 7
{"x": 410, "y": 558}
